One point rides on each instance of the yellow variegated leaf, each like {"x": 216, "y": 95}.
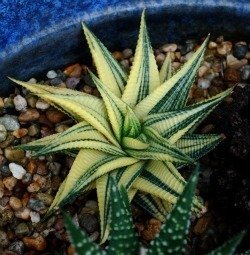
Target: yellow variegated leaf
{"x": 144, "y": 74}
{"x": 174, "y": 124}
{"x": 166, "y": 69}
{"x": 109, "y": 70}
{"x": 132, "y": 143}
{"x": 173, "y": 93}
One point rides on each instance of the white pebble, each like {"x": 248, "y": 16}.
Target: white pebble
{"x": 32, "y": 80}
{"x": 3, "y": 133}
{"x": 34, "y": 217}
{"x": 127, "y": 53}
{"x": 203, "y": 83}
{"x": 17, "y": 171}
{"x": 51, "y": 74}
{"x": 42, "y": 105}
{"x": 20, "y": 103}
{"x": 169, "y": 47}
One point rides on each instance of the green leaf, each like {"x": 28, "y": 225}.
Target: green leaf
{"x": 123, "y": 240}
{"x": 173, "y": 93}
{"x": 80, "y": 240}
{"x": 166, "y": 69}
{"x": 144, "y": 76}
{"x": 229, "y": 247}
{"x": 171, "y": 239}
{"x": 109, "y": 70}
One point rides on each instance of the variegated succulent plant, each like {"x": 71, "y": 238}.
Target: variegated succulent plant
{"x": 123, "y": 240}
{"x": 140, "y": 132}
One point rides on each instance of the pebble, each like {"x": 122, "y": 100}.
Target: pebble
{"x": 3, "y": 133}
{"x": 51, "y": 74}
{"x": 4, "y": 241}
{"x": 30, "y": 115}
{"x": 6, "y": 217}
{"x": 22, "y": 229}
{"x": 1, "y": 103}
{"x": 151, "y": 229}
{"x": 55, "y": 167}
{"x": 127, "y": 53}
{"x": 125, "y": 64}
{"x": 203, "y": 83}
{"x": 55, "y": 116}
{"x": 21, "y": 132}
{"x": 17, "y": 247}
{"x": 92, "y": 204}
{"x": 27, "y": 179}
{"x": 9, "y": 182}
{"x": 73, "y": 70}
{"x": 245, "y": 73}
{"x": 212, "y": 45}
{"x": 38, "y": 243}
{"x": 187, "y": 56}
{"x": 46, "y": 198}
{"x": 203, "y": 70}
{"x": 235, "y": 63}
{"x": 189, "y": 46}
{"x": 169, "y": 47}
{"x": 87, "y": 89}
{"x": 36, "y": 205}
{"x": 72, "y": 82}
{"x": 232, "y": 75}
{"x": 202, "y": 224}
{"x": 32, "y": 80}
{"x": 42, "y": 105}
{"x": 33, "y": 130}
{"x": 160, "y": 58}
{"x": 117, "y": 55}
{"x": 34, "y": 217}
{"x": 224, "y": 48}
{"x": 61, "y": 128}
{"x": 10, "y": 122}
{"x": 240, "y": 50}
{"x": 33, "y": 187}
{"x": 89, "y": 222}
{"x": 207, "y": 129}
{"x": 31, "y": 100}
{"x": 14, "y": 155}
{"x": 15, "y": 203}
{"x": 1, "y": 188}
{"x": 20, "y": 103}
{"x": 42, "y": 168}
{"x": 23, "y": 213}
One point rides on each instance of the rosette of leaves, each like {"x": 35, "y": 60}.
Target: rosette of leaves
{"x": 139, "y": 132}
{"x": 123, "y": 240}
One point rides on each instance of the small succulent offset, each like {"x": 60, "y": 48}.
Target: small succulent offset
{"x": 123, "y": 240}
{"x": 139, "y": 133}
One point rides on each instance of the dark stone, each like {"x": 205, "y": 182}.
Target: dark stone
{"x": 240, "y": 50}
{"x": 89, "y": 222}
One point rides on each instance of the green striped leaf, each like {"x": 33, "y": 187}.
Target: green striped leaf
{"x": 229, "y": 247}
{"x": 166, "y": 69}
{"x": 144, "y": 76}
{"x": 174, "y": 124}
{"x": 80, "y": 240}
{"x": 157, "y": 207}
{"x": 198, "y": 145}
{"x": 87, "y": 167}
{"x": 109, "y": 70}
{"x": 116, "y": 109}
{"x": 123, "y": 240}
{"x": 171, "y": 239}
{"x": 80, "y": 136}
{"x": 173, "y": 93}
{"x": 124, "y": 177}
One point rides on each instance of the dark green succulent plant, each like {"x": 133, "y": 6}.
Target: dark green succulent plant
{"x": 123, "y": 240}
{"x": 139, "y": 133}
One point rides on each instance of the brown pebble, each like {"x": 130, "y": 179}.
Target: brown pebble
{"x": 38, "y": 243}
{"x": 73, "y": 70}
{"x": 44, "y": 120}
{"x": 29, "y": 115}
{"x": 151, "y": 229}
{"x": 70, "y": 250}
{"x": 15, "y": 203}
{"x": 42, "y": 168}
{"x": 9, "y": 182}
{"x": 1, "y": 188}
{"x": 224, "y": 48}
{"x": 31, "y": 100}
{"x": 202, "y": 224}
{"x": 117, "y": 55}
{"x": 33, "y": 187}
{"x": 14, "y": 155}
{"x": 31, "y": 167}
{"x": 87, "y": 89}
{"x": 232, "y": 75}
{"x": 212, "y": 45}
{"x": 55, "y": 116}
{"x": 96, "y": 93}
{"x": 10, "y": 138}
{"x": 207, "y": 129}
{"x": 23, "y": 213}
{"x": 21, "y": 132}
{"x": 1, "y": 103}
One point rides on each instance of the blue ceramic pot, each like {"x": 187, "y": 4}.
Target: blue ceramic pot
{"x": 38, "y": 35}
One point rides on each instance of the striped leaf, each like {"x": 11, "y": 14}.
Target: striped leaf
{"x": 144, "y": 76}
{"x": 109, "y": 70}
{"x": 157, "y": 207}
{"x": 171, "y": 239}
{"x": 174, "y": 124}
{"x": 116, "y": 109}
{"x": 87, "y": 167}
{"x": 173, "y": 93}
{"x": 80, "y": 136}
{"x": 198, "y": 145}
{"x": 229, "y": 247}
{"x": 123, "y": 240}
{"x": 80, "y": 240}
{"x": 124, "y": 177}
{"x": 166, "y": 69}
